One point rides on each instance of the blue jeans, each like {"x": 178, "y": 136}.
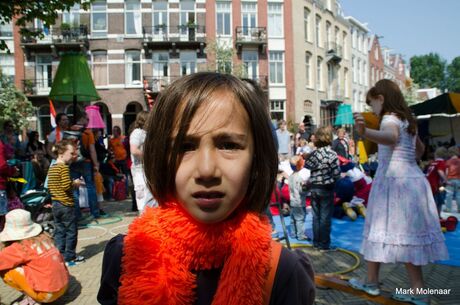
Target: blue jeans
{"x": 322, "y": 203}
{"x": 298, "y": 219}
{"x": 85, "y": 170}
{"x": 66, "y": 230}
{"x": 452, "y": 191}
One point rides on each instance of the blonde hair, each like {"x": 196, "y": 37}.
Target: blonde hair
{"x": 452, "y": 151}
{"x": 441, "y": 152}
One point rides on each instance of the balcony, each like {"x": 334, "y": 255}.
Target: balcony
{"x": 250, "y": 37}
{"x": 57, "y": 39}
{"x": 36, "y": 86}
{"x": 154, "y": 84}
{"x": 334, "y": 53}
{"x": 162, "y": 37}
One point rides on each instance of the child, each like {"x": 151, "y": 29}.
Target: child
{"x": 324, "y": 166}
{"x": 30, "y": 262}
{"x": 297, "y": 196}
{"x": 211, "y": 162}
{"x": 402, "y": 224}
{"x": 453, "y": 179}
{"x": 61, "y": 189}
{"x": 436, "y": 175}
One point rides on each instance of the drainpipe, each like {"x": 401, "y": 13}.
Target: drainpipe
{"x": 316, "y": 70}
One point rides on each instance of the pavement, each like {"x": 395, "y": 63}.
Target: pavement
{"x": 84, "y": 282}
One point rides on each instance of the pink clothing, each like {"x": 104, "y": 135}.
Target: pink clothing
{"x": 43, "y": 265}
{"x": 5, "y": 170}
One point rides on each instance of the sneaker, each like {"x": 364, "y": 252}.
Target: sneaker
{"x": 330, "y": 249}
{"x": 372, "y": 289}
{"x": 76, "y": 261}
{"x": 304, "y": 238}
{"x": 79, "y": 258}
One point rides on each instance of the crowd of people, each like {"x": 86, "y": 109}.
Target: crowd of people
{"x": 205, "y": 161}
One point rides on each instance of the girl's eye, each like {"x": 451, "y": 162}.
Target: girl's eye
{"x": 229, "y": 146}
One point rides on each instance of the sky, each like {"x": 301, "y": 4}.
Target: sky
{"x": 411, "y": 27}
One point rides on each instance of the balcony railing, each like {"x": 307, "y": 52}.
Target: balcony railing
{"x": 37, "y": 86}
{"x": 334, "y": 52}
{"x": 58, "y": 35}
{"x": 163, "y": 33}
{"x": 251, "y": 34}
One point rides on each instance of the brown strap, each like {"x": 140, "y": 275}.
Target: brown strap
{"x": 275, "y": 257}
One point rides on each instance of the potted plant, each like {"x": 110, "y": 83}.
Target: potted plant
{"x": 65, "y": 30}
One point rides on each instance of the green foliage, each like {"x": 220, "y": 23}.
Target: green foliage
{"x": 453, "y": 75}
{"x": 27, "y": 11}
{"x": 428, "y": 70}
{"x": 410, "y": 93}
{"x": 14, "y": 105}
{"x": 222, "y": 59}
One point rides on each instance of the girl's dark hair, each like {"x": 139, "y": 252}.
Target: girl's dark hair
{"x": 393, "y": 102}
{"x": 171, "y": 117}
{"x": 323, "y": 137}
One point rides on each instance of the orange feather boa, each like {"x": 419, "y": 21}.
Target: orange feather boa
{"x": 165, "y": 244}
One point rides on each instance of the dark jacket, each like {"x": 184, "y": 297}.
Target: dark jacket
{"x": 293, "y": 285}
{"x": 339, "y": 148}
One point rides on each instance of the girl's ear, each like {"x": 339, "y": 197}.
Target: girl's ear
{"x": 381, "y": 98}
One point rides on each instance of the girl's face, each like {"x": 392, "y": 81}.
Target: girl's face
{"x": 213, "y": 176}
{"x": 68, "y": 155}
{"x": 376, "y": 104}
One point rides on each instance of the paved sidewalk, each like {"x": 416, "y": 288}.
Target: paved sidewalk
{"x": 92, "y": 240}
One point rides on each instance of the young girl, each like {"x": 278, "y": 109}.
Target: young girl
{"x": 402, "y": 224}
{"x": 30, "y": 262}
{"x": 211, "y": 162}
{"x": 61, "y": 187}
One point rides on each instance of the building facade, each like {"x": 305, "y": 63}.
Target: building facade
{"x": 321, "y": 65}
{"x": 359, "y": 63}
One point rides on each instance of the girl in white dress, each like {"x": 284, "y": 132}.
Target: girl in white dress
{"x": 402, "y": 224}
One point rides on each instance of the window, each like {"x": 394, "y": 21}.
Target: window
{"x": 160, "y": 64}
{"x": 277, "y": 109}
{"x": 353, "y": 66}
{"x": 160, "y": 17}
{"x": 223, "y": 16}
{"x": 366, "y": 81}
{"x": 360, "y": 75}
{"x": 43, "y": 73}
{"x": 308, "y": 68}
{"x": 319, "y": 73}
{"x": 318, "y": 30}
{"x": 187, "y": 63}
{"x": 345, "y": 45}
{"x": 133, "y": 68}
{"x": 345, "y": 81}
{"x": 248, "y": 17}
{"x": 250, "y": 64}
{"x": 353, "y": 38}
{"x": 187, "y": 15}
{"x": 100, "y": 68}
{"x": 99, "y": 19}
{"x": 6, "y": 30}
{"x": 275, "y": 20}
{"x": 328, "y": 34}
{"x": 376, "y": 53}
{"x": 44, "y": 121}
{"x": 133, "y": 17}
{"x": 72, "y": 16}
{"x": 7, "y": 66}
{"x": 306, "y": 27}
{"x": 276, "y": 67}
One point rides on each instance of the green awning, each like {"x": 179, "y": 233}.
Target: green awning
{"x": 344, "y": 115}
{"x": 73, "y": 82}
{"x": 448, "y": 103}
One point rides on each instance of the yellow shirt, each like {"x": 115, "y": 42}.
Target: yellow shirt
{"x": 60, "y": 185}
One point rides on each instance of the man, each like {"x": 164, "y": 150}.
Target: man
{"x": 301, "y": 134}
{"x": 85, "y": 167}
{"x": 284, "y": 141}
{"x": 341, "y": 145}
{"x": 57, "y": 134}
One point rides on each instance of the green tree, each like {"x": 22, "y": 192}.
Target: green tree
{"x": 14, "y": 105}
{"x": 428, "y": 70}
{"x": 27, "y": 11}
{"x": 410, "y": 92}
{"x": 453, "y": 75}
{"x": 222, "y": 59}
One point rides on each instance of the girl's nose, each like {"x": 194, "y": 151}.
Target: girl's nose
{"x": 207, "y": 166}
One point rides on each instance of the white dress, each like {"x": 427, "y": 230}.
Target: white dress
{"x": 402, "y": 224}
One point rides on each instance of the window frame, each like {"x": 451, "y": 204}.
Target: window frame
{"x": 226, "y": 13}
{"x": 129, "y": 82}
{"x": 277, "y": 62}
{"x": 275, "y": 14}
{"x": 106, "y": 63}
{"x": 133, "y": 12}
{"x": 99, "y": 33}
